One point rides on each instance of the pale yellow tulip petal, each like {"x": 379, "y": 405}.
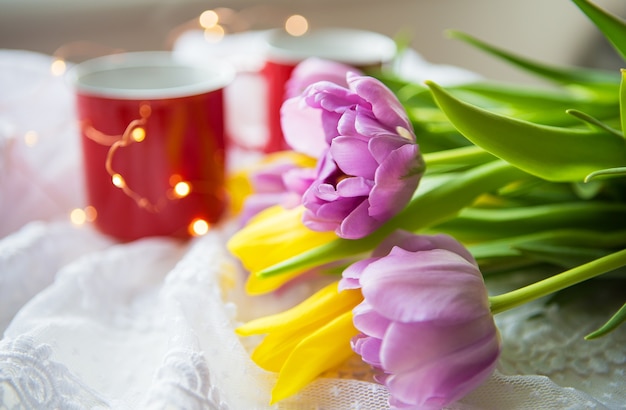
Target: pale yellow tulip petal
{"x": 239, "y": 187}
{"x": 285, "y": 330}
{"x": 320, "y": 307}
{"x": 258, "y": 286}
{"x": 274, "y": 235}
{"x": 296, "y": 158}
{"x": 321, "y": 351}
{"x": 275, "y": 348}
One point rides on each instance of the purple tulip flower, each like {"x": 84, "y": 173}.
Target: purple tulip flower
{"x": 313, "y": 70}
{"x": 278, "y": 183}
{"x": 370, "y": 164}
{"x": 425, "y": 321}
{"x": 284, "y": 180}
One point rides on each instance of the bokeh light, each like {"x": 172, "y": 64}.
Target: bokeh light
{"x": 198, "y": 227}
{"x": 138, "y": 134}
{"x": 209, "y": 19}
{"x": 296, "y": 25}
{"x": 31, "y": 138}
{"x": 182, "y": 189}
{"x": 58, "y": 67}
{"x": 118, "y": 180}
{"x": 214, "y": 34}
{"x": 79, "y": 216}
{"x": 90, "y": 213}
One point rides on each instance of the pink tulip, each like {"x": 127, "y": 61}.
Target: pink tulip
{"x": 369, "y": 163}
{"x": 425, "y": 321}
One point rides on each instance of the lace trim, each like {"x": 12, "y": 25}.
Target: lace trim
{"x": 184, "y": 382}
{"x": 30, "y": 380}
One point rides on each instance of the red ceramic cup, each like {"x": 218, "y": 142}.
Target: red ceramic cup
{"x": 358, "y": 48}
{"x": 152, "y": 132}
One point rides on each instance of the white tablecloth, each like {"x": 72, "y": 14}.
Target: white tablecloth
{"x": 92, "y": 323}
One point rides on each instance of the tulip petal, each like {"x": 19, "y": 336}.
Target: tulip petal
{"x": 370, "y": 322}
{"x": 256, "y": 285}
{"x": 368, "y": 348}
{"x": 298, "y": 180}
{"x": 327, "y": 192}
{"x": 350, "y": 276}
{"x": 285, "y": 330}
{"x": 354, "y": 187}
{"x": 396, "y": 182}
{"x": 321, "y": 351}
{"x": 313, "y": 70}
{"x": 366, "y": 124}
{"x": 380, "y": 147}
{"x": 352, "y": 156}
{"x": 385, "y": 104}
{"x": 319, "y": 307}
{"x": 441, "y": 284}
{"x": 358, "y": 223}
{"x": 414, "y": 243}
{"x": 331, "y": 97}
{"x": 412, "y": 345}
{"x": 448, "y": 380}
{"x": 273, "y": 236}
{"x": 301, "y": 127}
{"x": 276, "y": 347}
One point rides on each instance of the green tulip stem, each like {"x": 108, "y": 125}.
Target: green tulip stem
{"x": 509, "y": 300}
{"x": 432, "y": 207}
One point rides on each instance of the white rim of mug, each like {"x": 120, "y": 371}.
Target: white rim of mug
{"x": 345, "y": 45}
{"x": 218, "y": 75}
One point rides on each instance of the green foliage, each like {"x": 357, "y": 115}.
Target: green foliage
{"x": 526, "y": 177}
{"x": 570, "y": 137}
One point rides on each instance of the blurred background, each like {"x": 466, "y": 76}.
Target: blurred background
{"x": 553, "y": 31}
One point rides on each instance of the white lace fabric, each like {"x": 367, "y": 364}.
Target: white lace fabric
{"x": 90, "y": 323}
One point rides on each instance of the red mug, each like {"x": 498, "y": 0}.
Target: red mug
{"x": 358, "y": 48}
{"x": 154, "y": 151}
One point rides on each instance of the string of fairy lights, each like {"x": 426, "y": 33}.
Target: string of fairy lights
{"x": 215, "y": 24}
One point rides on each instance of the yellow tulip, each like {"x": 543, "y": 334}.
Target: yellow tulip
{"x": 239, "y": 187}
{"x": 322, "y": 350}
{"x": 270, "y": 237}
{"x": 305, "y": 341}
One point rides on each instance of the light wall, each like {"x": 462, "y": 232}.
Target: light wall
{"x": 554, "y": 31}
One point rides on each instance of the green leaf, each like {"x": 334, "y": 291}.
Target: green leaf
{"x": 526, "y": 97}
{"x": 594, "y": 122}
{"x": 613, "y": 323}
{"x": 553, "y": 240}
{"x": 565, "y": 75}
{"x": 476, "y": 224}
{"x": 537, "y": 105}
{"x": 613, "y": 28}
{"x": 564, "y": 256}
{"x": 553, "y": 153}
{"x": 610, "y": 172}
{"x": 622, "y": 100}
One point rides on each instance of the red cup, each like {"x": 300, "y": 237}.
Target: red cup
{"x": 358, "y": 48}
{"x": 152, "y": 132}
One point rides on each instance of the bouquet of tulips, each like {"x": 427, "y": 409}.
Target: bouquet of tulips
{"x": 412, "y": 196}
